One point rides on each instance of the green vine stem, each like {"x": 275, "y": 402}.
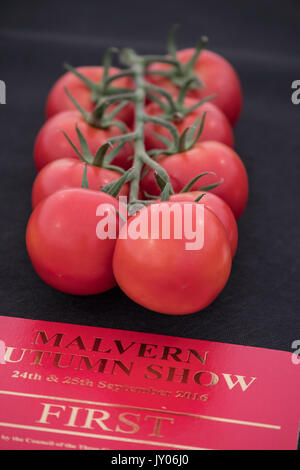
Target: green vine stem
{"x": 137, "y": 70}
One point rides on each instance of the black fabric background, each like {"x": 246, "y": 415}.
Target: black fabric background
{"x": 260, "y": 304}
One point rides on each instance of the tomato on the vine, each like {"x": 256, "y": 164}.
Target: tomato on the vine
{"x": 59, "y": 101}
{"x": 218, "y": 77}
{"x": 206, "y": 156}
{"x": 51, "y": 144}
{"x": 161, "y": 274}
{"x": 67, "y": 173}
{"x": 216, "y": 126}
{"x": 63, "y": 245}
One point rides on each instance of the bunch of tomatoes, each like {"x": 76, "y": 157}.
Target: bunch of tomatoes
{"x": 159, "y": 132}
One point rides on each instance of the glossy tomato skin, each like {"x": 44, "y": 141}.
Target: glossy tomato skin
{"x": 51, "y": 144}
{"x": 67, "y": 173}
{"x": 59, "y": 101}
{"x": 163, "y": 276}
{"x": 219, "y": 207}
{"x": 206, "y": 156}
{"x": 63, "y": 246}
{"x": 216, "y": 125}
{"x": 218, "y": 76}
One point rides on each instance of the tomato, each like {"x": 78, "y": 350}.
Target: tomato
{"x": 219, "y": 207}
{"x": 51, "y": 144}
{"x": 216, "y": 125}
{"x": 162, "y": 274}
{"x": 67, "y": 173}
{"x": 207, "y": 156}
{"x": 218, "y": 76}
{"x": 59, "y": 101}
{"x": 62, "y": 242}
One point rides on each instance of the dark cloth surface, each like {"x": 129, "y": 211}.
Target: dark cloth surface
{"x": 259, "y": 306}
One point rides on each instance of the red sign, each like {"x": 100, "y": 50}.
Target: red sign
{"x": 65, "y": 386}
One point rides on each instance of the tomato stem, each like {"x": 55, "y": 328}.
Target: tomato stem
{"x": 138, "y": 69}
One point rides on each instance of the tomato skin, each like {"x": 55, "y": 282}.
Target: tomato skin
{"x": 67, "y": 173}
{"x": 59, "y": 101}
{"x": 219, "y": 207}
{"x": 216, "y": 125}
{"x": 206, "y": 156}
{"x": 163, "y": 276}
{"x": 62, "y": 243}
{"x": 218, "y": 76}
{"x": 51, "y": 144}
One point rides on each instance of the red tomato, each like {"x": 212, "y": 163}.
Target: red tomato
{"x": 163, "y": 275}
{"x": 207, "y": 156}
{"x": 67, "y": 173}
{"x": 216, "y": 125}
{"x": 63, "y": 246}
{"x": 51, "y": 144}
{"x": 59, "y": 101}
{"x": 219, "y": 208}
{"x": 218, "y": 76}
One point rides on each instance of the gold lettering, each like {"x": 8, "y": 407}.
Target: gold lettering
{"x": 240, "y": 379}
{"x": 8, "y": 354}
{"x": 152, "y": 369}
{"x": 90, "y": 418}
{"x": 147, "y": 348}
{"x": 38, "y": 357}
{"x": 73, "y": 416}
{"x": 213, "y": 380}
{"x": 57, "y": 359}
{"x": 102, "y": 364}
{"x": 197, "y": 355}
{"x": 158, "y": 424}
{"x": 96, "y": 345}
{"x": 78, "y": 342}
{"x": 122, "y": 366}
{"x": 134, "y": 427}
{"x": 120, "y": 347}
{"x": 184, "y": 373}
{"x": 167, "y": 353}
{"x": 45, "y": 340}
{"x": 46, "y": 412}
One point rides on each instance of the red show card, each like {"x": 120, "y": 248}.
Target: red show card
{"x": 66, "y": 386}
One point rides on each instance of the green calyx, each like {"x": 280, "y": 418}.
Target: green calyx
{"x": 115, "y": 187}
{"x": 194, "y": 180}
{"x": 104, "y": 87}
{"x": 180, "y": 73}
{"x": 112, "y": 188}
{"x": 101, "y": 159}
{"x": 167, "y": 191}
{"x": 174, "y": 110}
{"x": 178, "y": 143}
{"x": 184, "y": 72}
{"x": 99, "y": 118}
